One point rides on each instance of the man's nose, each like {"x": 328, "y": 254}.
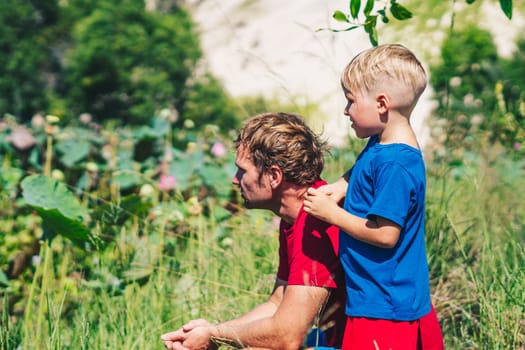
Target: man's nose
{"x": 235, "y": 179}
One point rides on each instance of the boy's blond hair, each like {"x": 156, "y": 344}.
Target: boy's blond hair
{"x": 389, "y": 68}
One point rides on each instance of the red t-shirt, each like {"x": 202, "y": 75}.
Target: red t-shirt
{"x": 308, "y": 256}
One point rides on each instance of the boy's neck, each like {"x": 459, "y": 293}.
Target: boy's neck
{"x": 398, "y": 130}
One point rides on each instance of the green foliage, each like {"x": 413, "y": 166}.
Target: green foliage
{"x": 468, "y": 70}
{"x": 512, "y": 97}
{"x": 22, "y": 58}
{"x": 205, "y": 102}
{"x": 111, "y": 59}
{"x": 128, "y": 63}
{"x": 166, "y": 262}
{"x": 366, "y": 17}
{"x": 60, "y": 210}
{"x": 475, "y": 238}
{"x": 478, "y": 94}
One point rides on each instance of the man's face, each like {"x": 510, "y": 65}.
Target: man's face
{"x": 255, "y": 189}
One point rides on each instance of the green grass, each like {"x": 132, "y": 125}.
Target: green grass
{"x": 475, "y": 239}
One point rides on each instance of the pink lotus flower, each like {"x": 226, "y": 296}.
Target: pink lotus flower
{"x": 85, "y": 118}
{"x": 218, "y": 150}
{"x": 22, "y": 138}
{"x": 38, "y": 121}
{"x": 167, "y": 182}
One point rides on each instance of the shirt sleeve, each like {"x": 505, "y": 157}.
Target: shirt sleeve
{"x": 394, "y": 193}
{"x": 283, "y": 271}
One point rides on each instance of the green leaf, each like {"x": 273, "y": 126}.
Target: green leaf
{"x": 373, "y": 37}
{"x": 126, "y": 179}
{"x": 73, "y": 151}
{"x": 183, "y": 170}
{"x": 470, "y": 1}
{"x": 506, "y": 6}
{"x": 355, "y": 5}
{"x": 384, "y": 17}
{"x": 46, "y": 193}
{"x": 340, "y": 16}
{"x": 142, "y": 265}
{"x": 59, "y": 209}
{"x": 218, "y": 178}
{"x": 117, "y": 213}
{"x": 69, "y": 228}
{"x": 344, "y": 30}
{"x": 399, "y": 11}
{"x": 370, "y": 28}
{"x": 368, "y": 7}
{"x": 3, "y": 279}
{"x": 219, "y": 213}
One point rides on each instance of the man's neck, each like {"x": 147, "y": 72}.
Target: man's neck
{"x": 292, "y": 197}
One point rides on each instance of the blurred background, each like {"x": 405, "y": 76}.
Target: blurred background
{"x": 118, "y": 221}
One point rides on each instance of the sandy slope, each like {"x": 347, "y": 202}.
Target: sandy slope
{"x": 271, "y": 47}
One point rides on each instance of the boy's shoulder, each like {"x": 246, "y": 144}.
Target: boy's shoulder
{"x": 393, "y": 153}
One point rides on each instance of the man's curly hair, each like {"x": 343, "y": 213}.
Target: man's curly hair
{"x": 284, "y": 140}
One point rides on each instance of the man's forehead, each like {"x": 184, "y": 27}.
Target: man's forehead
{"x": 243, "y": 155}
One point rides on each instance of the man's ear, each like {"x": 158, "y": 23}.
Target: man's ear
{"x": 276, "y": 176}
{"x": 383, "y": 103}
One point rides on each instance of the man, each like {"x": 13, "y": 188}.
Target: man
{"x": 278, "y": 159}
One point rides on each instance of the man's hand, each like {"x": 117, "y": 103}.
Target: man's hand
{"x": 194, "y": 335}
{"x": 319, "y": 204}
{"x": 173, "y": 339}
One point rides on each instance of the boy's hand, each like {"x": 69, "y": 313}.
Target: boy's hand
{"x": 319, "y": 204}
{"x": 336, "y": 190}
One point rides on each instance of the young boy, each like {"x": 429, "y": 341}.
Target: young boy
{"x": 382, "y": 245}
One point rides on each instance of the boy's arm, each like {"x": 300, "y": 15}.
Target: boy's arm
{"x": 379, "y": 232}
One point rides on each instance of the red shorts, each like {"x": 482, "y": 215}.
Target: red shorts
{"x": 376, "y": 334}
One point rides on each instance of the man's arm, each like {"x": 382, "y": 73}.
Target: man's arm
{"x": 285, "y": 329}
{"x": 266, "y": 309}
{"x": 201, "y": 338}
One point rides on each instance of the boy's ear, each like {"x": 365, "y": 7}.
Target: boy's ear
{"x": 383, "y": 102}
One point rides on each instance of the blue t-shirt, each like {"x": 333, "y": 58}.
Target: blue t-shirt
{"x": 393, "y": 284}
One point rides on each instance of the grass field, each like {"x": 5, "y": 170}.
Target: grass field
{"x": 154, "y": 278}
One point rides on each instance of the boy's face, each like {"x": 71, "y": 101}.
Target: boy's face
{"x": 362, "y": 108}
{"x": 255, "y": 189}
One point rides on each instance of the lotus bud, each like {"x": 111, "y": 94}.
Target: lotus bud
{"x": 192, "y": 147}
{"x": 195, "y": 207}
{"x": 92, "y": 167}
{"x": 57, "y": 174}
{"x": 52, "y": 119}
{"x": 189, "y": 124}
{"x": 146, "y": 190}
